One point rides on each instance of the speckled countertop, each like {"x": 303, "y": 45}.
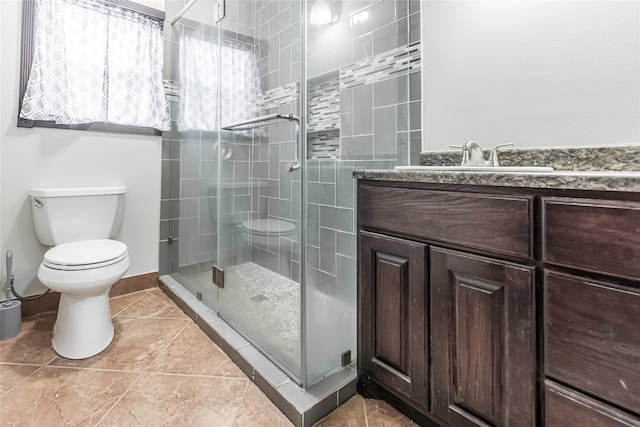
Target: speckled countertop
{"x": 604, "y": 169}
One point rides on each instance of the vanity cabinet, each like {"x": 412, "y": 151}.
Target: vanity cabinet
{"x": 592, "y": 312}
{"x": 482, "y": 340}
{"x": 447, "y": 330}
{"x": 497, "y": 306}
{"x": 393, "y": 323}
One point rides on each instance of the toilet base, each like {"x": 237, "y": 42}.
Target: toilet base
{"x": 83, "y": 327}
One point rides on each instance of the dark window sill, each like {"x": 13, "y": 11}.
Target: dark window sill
{"x": 91, "y": 127}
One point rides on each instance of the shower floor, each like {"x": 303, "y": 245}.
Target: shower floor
{"x": 260, "y": 304}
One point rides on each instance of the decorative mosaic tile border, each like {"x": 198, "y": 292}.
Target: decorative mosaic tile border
{"x": 388, "y": 64}
{"x": 274, "y": 98}
{"x": 324, "y": 104}
{"x": 324, "y": 145}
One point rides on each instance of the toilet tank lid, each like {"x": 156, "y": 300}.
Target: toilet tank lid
{"x": 78, "y": 191}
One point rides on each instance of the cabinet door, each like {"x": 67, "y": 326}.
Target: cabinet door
{"x": 483, "y": 340}
{"x": 392, "y": 313}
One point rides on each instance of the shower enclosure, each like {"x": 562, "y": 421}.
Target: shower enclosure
{"x": 274, "y": 104}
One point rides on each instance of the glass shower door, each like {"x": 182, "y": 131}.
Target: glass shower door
{"x": 259, "y": 193}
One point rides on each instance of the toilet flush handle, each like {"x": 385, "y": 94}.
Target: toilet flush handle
{"x": 36, "y": 203}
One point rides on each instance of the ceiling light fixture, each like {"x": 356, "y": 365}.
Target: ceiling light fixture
{"x": 321, "y": 13}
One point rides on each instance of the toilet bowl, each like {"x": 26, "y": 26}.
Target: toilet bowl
{"x": 266, "y": 232}
{"x": 83, "y": 263}
{"x": 83, "y": 272}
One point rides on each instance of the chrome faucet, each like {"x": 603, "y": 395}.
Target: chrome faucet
{"x": 473, "y": 154}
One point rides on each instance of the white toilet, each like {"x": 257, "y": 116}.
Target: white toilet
{"x": 83, "y": 263}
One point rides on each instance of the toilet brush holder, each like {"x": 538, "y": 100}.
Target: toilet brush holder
{"x": 10, "y": 319}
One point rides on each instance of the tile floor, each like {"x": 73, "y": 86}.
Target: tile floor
{"x": 160, "y": 370}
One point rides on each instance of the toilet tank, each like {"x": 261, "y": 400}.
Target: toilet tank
{"x": 64, "y": 215}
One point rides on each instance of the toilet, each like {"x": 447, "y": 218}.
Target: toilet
{"x": 266, "y": 232}
{"x": 83, "y": 262}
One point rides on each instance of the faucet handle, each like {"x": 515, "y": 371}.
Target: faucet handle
{"x": 465, "y": 153}
{"x": 493, "y": 158}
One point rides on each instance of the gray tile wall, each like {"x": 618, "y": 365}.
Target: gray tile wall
{"x": 278, "y": 191}
{"x": 378, "y": 67}
{"x": 189, "y": 199}
{"x": 375, "y": 107}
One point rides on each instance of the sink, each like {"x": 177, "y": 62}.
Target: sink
{"x": 476, "y": 168}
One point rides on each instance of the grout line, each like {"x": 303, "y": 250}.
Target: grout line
{"x": 51, "y": 361}
{"x": 80, "y": 368}
{"x": 161, "y": 352}
{"x": 153, "y": 317}
{"x": 125, "y": 371}
{"x": 23, "y": 380}
{"x": 119, "y": 398}
{"x": 142, "y": 292}
{"x": 22, "y": 363}
{"x": 366, "y": 415}
{"x": 246, "y": 390}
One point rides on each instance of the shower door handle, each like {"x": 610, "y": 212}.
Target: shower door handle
{"x": 295, "y": 165}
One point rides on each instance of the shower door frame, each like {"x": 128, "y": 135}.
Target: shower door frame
{"x": 301, "y": 158}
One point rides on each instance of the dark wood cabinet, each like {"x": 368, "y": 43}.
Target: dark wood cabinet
{"x": 483, "y": 340}
{"x": 497, "y": 306}
{"x": 592, "y": 337}
{"x": 393, "y": 318}
{"x": 565, "y": 407}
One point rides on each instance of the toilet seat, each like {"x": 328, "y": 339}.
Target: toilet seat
{"x": 85, "y": 255}
{"x": 268, "y": 227}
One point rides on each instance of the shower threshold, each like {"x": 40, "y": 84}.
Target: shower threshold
{"x": 302, "y": 407}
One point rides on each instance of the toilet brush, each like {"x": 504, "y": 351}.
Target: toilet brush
{"x": 10, "y": 311}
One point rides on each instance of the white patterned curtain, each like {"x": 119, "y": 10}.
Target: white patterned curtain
{"x": 95, "y": 62}
{"x": 201, "y": 62}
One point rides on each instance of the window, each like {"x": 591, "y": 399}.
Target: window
{"x": 93, "y": 65}
{"x": 219, "y": 81}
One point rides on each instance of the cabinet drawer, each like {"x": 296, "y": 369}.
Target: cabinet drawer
{"x": 565, "y": 407}
{"x": 594, "y": 235}
{"x": 592, "y": 337}
{"x": 496, "y": 223}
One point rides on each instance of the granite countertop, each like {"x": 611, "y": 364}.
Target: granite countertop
{"x": 604, "y": 168}
{"x": 567, "y": 180}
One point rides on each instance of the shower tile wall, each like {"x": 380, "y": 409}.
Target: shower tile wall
{"x": 188, "y": 214}
{"x": 373, "y": 69}
{"x": 376, "y": 65}
{"x": 363, "y": 105}
{"x": 278, "y": 195}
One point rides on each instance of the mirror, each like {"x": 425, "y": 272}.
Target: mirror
{"x": 535, "y": 73}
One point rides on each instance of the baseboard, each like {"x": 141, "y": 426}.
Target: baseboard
{"x": 49, "y": 302}
{"x": 134, "y": 284}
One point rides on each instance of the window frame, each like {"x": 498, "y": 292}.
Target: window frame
{"x": 26, "y": 60}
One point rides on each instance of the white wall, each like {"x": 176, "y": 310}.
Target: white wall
{"x": 54, "y": 157}
{"x": 535, "y": 73}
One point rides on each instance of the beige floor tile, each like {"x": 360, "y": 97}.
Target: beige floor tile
{"x": 176, "y": 400}
{"x": 192, "y": 352}
{"x": 33, "y": 343}
{"x": 154, "y": 304}
{"x": 122, "y": 302}
{"x": 10, "y": 375}
{"x": 63, "y": 397}
{"x": 349, "y": 414}
{"x": 137, "y": 342}
{"x": 381, "y": 414}
{"x": 257, "y": 410}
